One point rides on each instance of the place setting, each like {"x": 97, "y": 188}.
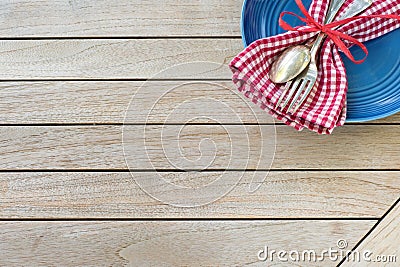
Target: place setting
{"x": 319, "y": 64}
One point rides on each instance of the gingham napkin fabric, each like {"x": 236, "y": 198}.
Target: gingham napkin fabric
{"x": 325, "y": 107}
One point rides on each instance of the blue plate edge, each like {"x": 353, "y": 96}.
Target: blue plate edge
{"x": 242, "y": 24}
{"x": 373, "y": 118}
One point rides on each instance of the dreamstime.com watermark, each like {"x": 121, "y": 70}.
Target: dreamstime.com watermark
{"x": 334, "y": 254}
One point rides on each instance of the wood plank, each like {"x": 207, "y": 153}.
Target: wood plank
{"x": 349, "y": 147}
{"x": 69, "y": 147}
{"x": 107, "y": 102}
{"x": 383, "y": 243}
{"x": 118, "y": 195}
{"x": 182, "y": 243}
{"x": 391, "y": 119}
{"x": 151, "y": 102}
{"x": 116, "y": 58}
{"x": 197, "y": 147}
{"x": 92, "y": 18}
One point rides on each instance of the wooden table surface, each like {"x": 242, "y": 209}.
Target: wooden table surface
{"x": 95, "y": 109}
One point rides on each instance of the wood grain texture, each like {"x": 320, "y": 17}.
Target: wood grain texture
{"x": 92, "y": 18}
{"x": 183, "y": 243}
{"x": 107, "y": 102}
{"x": 197, "y": 147}
{"x": 101, "y": 147}
{"x": 117, "y": 195}
{"x": 89, "y": 179}
{"x": 383, "y": 243}
{"x": 391, "y": 119}
{"x": 116, "y": 58}
{"x": 150, "y": 102}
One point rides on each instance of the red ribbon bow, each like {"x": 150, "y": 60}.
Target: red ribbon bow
{"x": 329, "y": 29}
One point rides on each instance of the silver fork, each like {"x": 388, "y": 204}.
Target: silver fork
{"x": 304, "y": 83}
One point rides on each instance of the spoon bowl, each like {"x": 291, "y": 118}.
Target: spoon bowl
{"x": 290, "y": 64}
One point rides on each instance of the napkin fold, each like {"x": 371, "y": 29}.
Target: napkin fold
{"x": 325, "y": 107}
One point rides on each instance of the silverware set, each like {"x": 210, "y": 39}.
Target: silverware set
{"x": 297, "y": 65}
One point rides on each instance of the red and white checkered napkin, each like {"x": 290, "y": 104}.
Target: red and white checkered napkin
{"x": 325, "y": 107}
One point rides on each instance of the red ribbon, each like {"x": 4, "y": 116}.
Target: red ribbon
{"x": 329, "y": 29}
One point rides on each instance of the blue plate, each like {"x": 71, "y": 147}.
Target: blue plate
{"x": 374, "y": 86}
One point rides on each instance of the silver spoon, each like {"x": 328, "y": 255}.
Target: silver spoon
{"x": 296, "y": 58}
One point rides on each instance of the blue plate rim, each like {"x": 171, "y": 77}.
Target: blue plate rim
{"x": 366, "y": 119}
{"x": 242, "y": 24}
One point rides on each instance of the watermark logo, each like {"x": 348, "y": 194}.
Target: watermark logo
{"x": 188, "y": 143}
{"x": 342, "y": 244}
{"x": 334, "y": 254}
